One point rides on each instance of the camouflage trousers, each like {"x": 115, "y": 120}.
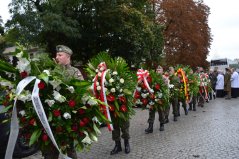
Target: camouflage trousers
{"x": 124, "y": 127}
{"x": 152, "y": 115}
{"x": 174, "y": 102}
{"x": 192, "y": 103}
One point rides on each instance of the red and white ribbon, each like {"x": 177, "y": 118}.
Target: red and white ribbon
{"x": 142, "y": 76}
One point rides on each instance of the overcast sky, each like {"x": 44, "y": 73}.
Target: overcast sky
{"x": 223, "y": 21}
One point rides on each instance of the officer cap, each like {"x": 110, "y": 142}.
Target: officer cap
{"x": 63, "y": 48}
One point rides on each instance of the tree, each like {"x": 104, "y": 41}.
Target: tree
{"x": 125, "y": 27}
{"x": 187, "y": 36}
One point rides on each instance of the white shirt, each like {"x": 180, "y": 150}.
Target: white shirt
{"x": 220, "y": 82}
{"x": 235, "y": 80}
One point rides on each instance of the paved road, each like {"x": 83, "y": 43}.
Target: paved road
{"x": 212, "y": 132}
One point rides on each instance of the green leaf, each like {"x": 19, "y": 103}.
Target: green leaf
{"x": 35, "y": 135}
{"x": 44, "y": 77}
{"x": 97, "y": 131}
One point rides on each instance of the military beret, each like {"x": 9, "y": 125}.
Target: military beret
{"x": 63, "y": 48}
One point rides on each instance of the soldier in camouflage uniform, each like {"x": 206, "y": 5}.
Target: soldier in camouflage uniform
{"x": 63, "y": 58}
{"x": 152, "y": 111}
{"x": 174, "y": 93}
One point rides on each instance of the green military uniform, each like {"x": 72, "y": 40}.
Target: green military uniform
{"x": 174, "y": 93}
{"x": 73, "y": 72}
{"x": 124, "y": 127}
{"x": 69, "y": 72}
{"x": 227, "y": 83}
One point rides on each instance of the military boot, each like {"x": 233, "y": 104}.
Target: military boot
{"x": 166, "y": 120}
{"x": 149, "y": 129}
{"x": 117, "y": 148}
{"x": 161, "y": 127}
{"x": 126, "y": 146}
{"x": 190, "y": 106}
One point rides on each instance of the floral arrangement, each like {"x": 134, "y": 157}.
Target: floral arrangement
{"x": 72, "y": 114}
{"x": 193, "y": 81}
{"x": 151, "y": 91}
{"x": 184, "y": 85}
{"x": 113, "y": 84}
{"x": 204, "y": 84}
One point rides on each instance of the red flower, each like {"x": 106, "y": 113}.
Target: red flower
{"x": 143, "y": 86}
{"x": 112, "y": 108}
{"x": 157, "y": 86}
{"x": 149, "y": 79}
{"x": 123, "y": 108}
{"x": 81, "y": 133}
{"x": 59, "y": 129}
{"x": 32, "y": 122}
{"x": 110, "y": 97}
{"x": 71, "y": 103}
{"x": 137, "y": 95}
{"x": 144, "y": 101}
{"x": 5, "y": 103}
{"x": 86, "y": 120}
{"x": 122, "y": 99}
{"x": 74, "y": 127}
{"x": 82, "y": 123}
{"x": 152, "y": 96}
{"x": 41, "y": 85}
{"x": 7, "y": 97}
{"x": 56, "y": 112}
{"x": 23, "y": 74}
{"x": 44, "y": 137}
{"x": 81, "y": 111}
{"x": 23, "y": 119}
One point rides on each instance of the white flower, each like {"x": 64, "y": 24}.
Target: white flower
{"x": 160, "y": 95}
{"x": 71, "y": 89}
{"x": 23, "y": 65}
{"x": 6, "y": 84}
{"x": 115, "y": 73}
{"x": 19, "y": 55}
{"x": 22, "y": 113}
{"x": 98, "y": 88}
{"x": 84, "y": 99}
{"x": 67, "y": 116}
{"x": 138, "y": 89}
{"x": 122, "y": 80}
{"x": 138, "y": 102}
{"x": 97, "y": 83}
{"x": 156, "y": 99}
{"x": 99, "y": 74}
{"x": 25, "y": 96}
{"x": 111, "y": 80}
{"x": 47, "y": 72}
{"x": 121, "y": 90}
{"x": 170, "y": 85}
{"x": 58, "y": 97}
{"x": 49, "y": 102}
{"x": 96, "y": 70}
{"x": 144, "y": 95}
{"x": 151, "y": 103}
{"x": 91, "y": 101}
{"x": 112, "y": 90}
{"x": 55, "y": 83}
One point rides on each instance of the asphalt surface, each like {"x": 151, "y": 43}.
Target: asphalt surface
{"x": 211, "y": 132}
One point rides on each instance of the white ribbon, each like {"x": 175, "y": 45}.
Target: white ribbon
{"x": 40, "y": 112}
{"x": 105, "y": 99}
